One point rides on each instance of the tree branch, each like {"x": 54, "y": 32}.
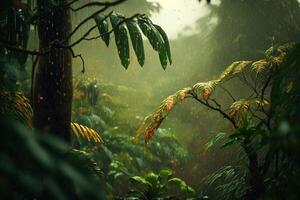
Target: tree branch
{"x": 89, "y": 18}
{"x": 94, "y": 4}
{"x": 78, "y": 56}
{"x": 9, "y": 46}
{"x": 205, "y": 103}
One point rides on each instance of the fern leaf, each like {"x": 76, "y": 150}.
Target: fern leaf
{"x": 155, "y": 120}
{"x": 260, "y": 66}
{"x": 233, "y": 69}
{"x": 204, "y": 90}
{"x": 16, "y": 106}
{"x": 238, "y": 109}
{"x": 85, "y": 132}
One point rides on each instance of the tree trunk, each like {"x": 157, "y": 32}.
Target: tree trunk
{"x": 52, "y": 85}
{"x": 255, "y": 178}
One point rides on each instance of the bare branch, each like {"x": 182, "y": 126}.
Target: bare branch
{"x": 205, "y": 103}
{"x": 94, "y": 4}
{"x": 78, "y": 56}
{"x": 227, "y": 91}
{"x": 12, "y": 47}
{"x": 89, "y": 18}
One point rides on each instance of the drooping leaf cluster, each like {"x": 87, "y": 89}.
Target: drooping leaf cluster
{"x": 123, "y": 29}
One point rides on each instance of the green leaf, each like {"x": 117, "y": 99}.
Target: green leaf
{"x": 165, "y": 173}
{"x": 121, "y": 39}
{"x": 137, "y": 41}
{"x": 155, "y": 39}
{"x": 212, "y": 141}
{"x": 163, "y": 58}
{"x": 152, "y": 179}
{"x": 182, "y": 185}
{"x": 151, "y": 33}
{"x": 166, "y": 41}
{"x": 139, "y": 180}
{"x": 103, "y": 28}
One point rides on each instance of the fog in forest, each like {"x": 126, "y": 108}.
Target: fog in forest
{"x": 205, "y": 106}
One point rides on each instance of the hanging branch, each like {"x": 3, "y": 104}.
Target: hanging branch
{"x": 94, "y": 27}
{"x": 91, "y": 17}
{"x": 59, "y": 44}
{"x": 95, "y": 4}
{"x": 78, "y": 56}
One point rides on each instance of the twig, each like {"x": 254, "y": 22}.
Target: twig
{"x": 80, "y": 56}
{"x": 231, "y": 120}
{"x": 32, "y": 73}
{"x": 89, "y": 18}
{"x": 93, "y": 4}
{"x": 11, "y": 47}
{"x": 222, "y": 87}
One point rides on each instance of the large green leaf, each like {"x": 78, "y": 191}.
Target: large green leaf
{"x": 165, "y": 174}
{"x": 137, "y": 41}
{"x": 166, "y": 41}
{"x": 163, "y": 58}
{"x": 103, "y": 28}
{"x": 140, "y": 180}
{"x": 155, "y": 39}
{"x": 152, "y": 179}
{"x": 151, "y": 33}
{"x": 182, "y": 186}
{"x": 121, "y": 39}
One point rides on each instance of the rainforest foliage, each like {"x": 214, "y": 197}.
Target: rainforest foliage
{"x": 76, "y": 126}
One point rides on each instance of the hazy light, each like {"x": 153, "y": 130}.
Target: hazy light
{"x": 179, "y": 16}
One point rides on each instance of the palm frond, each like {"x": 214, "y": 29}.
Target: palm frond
{"x": 16, "y": 106}
{"x": 84, "y": 132}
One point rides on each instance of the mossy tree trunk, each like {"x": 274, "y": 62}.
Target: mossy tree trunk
{"x": 52, "y": 85}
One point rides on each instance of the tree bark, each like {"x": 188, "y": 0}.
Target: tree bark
{"x": 52, "y": 85}
{"x": 255, "y": 178}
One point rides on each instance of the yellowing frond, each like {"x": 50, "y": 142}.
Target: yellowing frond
{"x": 238, "y": 109}
{"x": 85, "y": 132}
{"x": 234, "y": 68}
{"x": 260, "y": 66}
{"x": 262, "y": 102}
{"x": 204, "y": 90}
{"x": 15, "y": 105}
{"x": 151, "y": 123}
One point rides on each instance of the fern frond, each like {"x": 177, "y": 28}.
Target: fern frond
{"x": 160, "y": 114}
{"x": 260, "y": 66}
{"x": 204, "y": 89}
{"x": 84, "y": 132}
{"x": 238, "y": 109}
{"x": 16, "y": 106}
{"x": 234, "y": 68}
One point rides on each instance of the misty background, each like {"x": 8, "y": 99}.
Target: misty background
{"x": 204, "y": 40}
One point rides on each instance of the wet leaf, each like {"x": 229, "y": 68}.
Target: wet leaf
{"x": 137, "y": 41}
{"x": 103, "y": 28}
{"x": 166, "y": 41}
{"x": 121, "y": 39}
{"x": 155, "y": 39}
